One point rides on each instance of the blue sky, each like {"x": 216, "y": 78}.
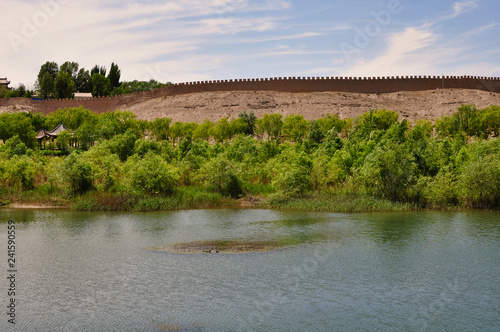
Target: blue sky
{"x": 191, "y": 40}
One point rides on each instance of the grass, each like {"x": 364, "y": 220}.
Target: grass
{"x": 335, "y": 202}
{"x": 182, "y": 198}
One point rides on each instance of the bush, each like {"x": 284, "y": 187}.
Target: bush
{"x": 388, "y": 171}
{"x": 479, "y": 183}
{"x": 292, "y": 173}
{"x": 153, "y": 175}
{"x": 15, "y": 147}
{"x": 78, "y": 174}
{"x": 22, "y": 171}
{"x": 219, "y": 176}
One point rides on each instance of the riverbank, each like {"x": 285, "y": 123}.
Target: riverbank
{"x": 193, "y": 199}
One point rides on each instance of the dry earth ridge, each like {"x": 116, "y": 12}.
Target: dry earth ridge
{"x": 196, "y": 107}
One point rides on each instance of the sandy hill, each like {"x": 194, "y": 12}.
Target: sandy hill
{"x": 215, "y": 105}
{"x": 197, "y": 107}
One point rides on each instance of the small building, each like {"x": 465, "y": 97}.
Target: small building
{"x": 4, "y": 82}
{"x": 82, "y": 95}
{"x": 43, "y": 135}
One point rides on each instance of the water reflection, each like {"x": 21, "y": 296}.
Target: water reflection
{"x": 381, "y": 271}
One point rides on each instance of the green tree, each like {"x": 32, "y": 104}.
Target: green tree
{"x": 222, "y": 130}
{"x": 82, "y": 81}
{"x": 98, "y": 70}
{"x": 292, "y": 173}
{"x": 219, "y": 175}
{"x": 65, "y": 86}
{"x": 15, "y": 147}
{"x": 160, "y": 128}
{"x": 295, "y": 127}
{"x": 100, "y": 85}
{"x": 63, "y": 140}
{"x": 78, "y": 174}
{"x": 270, "y": 124}
{"x": 47, "y": 85}
{"x": 49, "y": 67}
{"x": 12, "y": 124}
{"x": 153, "y": 175}
{"x": 85, "y": 135}
{"x": 22, "y": 171}
{"x": 388, "y": 171}
{"x": 123, "y": 145}
{"x": 250, "y": 119}
{"x": 114, "y": 75}
{"x": 71, "y": 68}
{"x": 479, "y": 183}
{"x": 204, "y": 130}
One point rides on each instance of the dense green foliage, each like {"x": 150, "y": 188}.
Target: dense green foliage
{"x": 373, "y": 162}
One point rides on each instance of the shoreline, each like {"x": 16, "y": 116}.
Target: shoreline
{"x": 298, "y": 204}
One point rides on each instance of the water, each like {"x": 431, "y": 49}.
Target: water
{"x": 425, "y": 271}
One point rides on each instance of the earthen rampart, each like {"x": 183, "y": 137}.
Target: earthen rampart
{"x": 278, "y": 84}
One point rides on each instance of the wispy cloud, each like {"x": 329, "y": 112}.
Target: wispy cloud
{"x": 461, "y": 7}
{"x": 185, "y": 40}
{"x": 407, "y": 53}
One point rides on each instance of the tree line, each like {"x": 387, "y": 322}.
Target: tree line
{"x": 454, "y": 162}
{"x": 62, "y": 82}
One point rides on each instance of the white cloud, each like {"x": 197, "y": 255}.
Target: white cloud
{"x": 136, "y": 35}
{"x": 407, "y": 53}
{"x": 461, "y": 7}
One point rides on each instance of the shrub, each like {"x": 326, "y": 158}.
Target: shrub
{"x": 15, "y": 147}
{"x": 295, "y": 127}
{"x": 388, "y": 171}
{"x": 479, "y": 183}
{"x": 219, "y": 176}
{"x": 292, "y": 173}
{"x": 78, "y": 174}
{"x": 152, "y": 174}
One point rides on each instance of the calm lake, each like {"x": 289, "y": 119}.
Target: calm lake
{"x": 418, "y": 271}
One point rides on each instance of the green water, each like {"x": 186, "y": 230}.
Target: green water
{"x": 424, "y": 271}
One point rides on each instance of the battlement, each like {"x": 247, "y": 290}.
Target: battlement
{"x": 277, "y": 84}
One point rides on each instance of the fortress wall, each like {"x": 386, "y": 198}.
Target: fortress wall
{"x": 289, "y": 84}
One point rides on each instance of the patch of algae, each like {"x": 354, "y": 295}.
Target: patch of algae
{"x": 219, "y": 247}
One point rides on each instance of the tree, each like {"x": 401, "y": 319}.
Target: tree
{"x": 63, "y": 140}
{"x": 65, "y": 86}
{"x": 218, "y": 175}
{"x": 100, "y": 85}
{"x": 250, "y": 120}
{"x": 270, "y": 124}
{"x": 154, "y": 175}
{"x": 203, "y": 130}
{"x": 114, "y": 75}
{"x": 222, "y": 130}
{"x": 98, "y": 70}
{"x": 82, "y": 81}
{"x": 71, "y": 68}
{"x": 78, "y": 174}
{"x": 295, "y": 127}
{"x": 160, "y": 128}
{"x": 47, "y": 85}
{"x": 49, "y": 67}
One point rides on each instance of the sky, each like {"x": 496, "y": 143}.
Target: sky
{"x": 194, "y": 40}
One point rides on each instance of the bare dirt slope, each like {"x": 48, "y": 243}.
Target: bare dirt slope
{"x": 215, "y": 105}
{"x": 197, "y": 107}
